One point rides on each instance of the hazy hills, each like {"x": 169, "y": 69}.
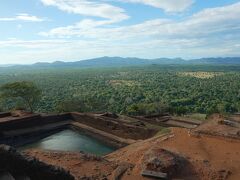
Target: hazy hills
{"x": 119, "y": 61}
{"x": 110, "y": 62}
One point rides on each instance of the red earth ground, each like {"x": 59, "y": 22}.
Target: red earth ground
{"x": 209, "y": 158}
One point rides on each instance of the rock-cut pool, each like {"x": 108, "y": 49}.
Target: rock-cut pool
{"x": 69, "y": 140}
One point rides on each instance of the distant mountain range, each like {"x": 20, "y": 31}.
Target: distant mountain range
{"x": 7, "y": 65}
{"x": 119, "y": 61}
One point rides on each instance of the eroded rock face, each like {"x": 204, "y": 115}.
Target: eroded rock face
{"x": 163, "y": 161}
{"x": 18, "y": 164}
{"x": 6, "y": 176}
{"x": 120, "y": 170}
{"x": 111, "y": 115}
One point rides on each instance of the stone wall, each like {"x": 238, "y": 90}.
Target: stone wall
{"x": 31, "y": 121}
{"x": 17, "y": 131}
{"x": 4, "y": 114}
{"x": 114, "y": 126}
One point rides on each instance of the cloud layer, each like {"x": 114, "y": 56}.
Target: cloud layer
{"x": 22, "y": 17}
{"x": 209, "y": 32}
{"x": 204, "y": 24}
{"x": 166, "y": 5}
{"x": 89, "y": 8}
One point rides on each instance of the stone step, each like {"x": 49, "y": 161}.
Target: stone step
{"x": 154, "y": 174}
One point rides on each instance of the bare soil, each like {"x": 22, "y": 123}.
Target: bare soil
{"x": 209, "y": 158}
{"x": 212, "y": 151}
{"x": 215, "y": 126}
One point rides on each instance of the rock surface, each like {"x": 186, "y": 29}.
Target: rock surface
{"x": 6, "y": 176}
{"x": 163, "y": 161}
{"x": 120, "y": 170}
{"x": 19, "y": 165}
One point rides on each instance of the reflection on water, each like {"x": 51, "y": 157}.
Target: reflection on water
{"x": 69, "y": 140}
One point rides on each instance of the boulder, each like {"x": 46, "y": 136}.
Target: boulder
{"x": 162, "y": 163}
{"x": 120, "y": 170}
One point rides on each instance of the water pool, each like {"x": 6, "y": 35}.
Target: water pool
{"x": 70, "y": 140}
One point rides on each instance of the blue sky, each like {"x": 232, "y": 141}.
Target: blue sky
{"x": 70, "y": 30}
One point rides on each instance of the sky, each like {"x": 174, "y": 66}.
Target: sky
{"x": 70, "y": 30}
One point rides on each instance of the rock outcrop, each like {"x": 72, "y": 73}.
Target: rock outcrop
{"x": 15, "y": 164}
{"x": 162, "y": 163}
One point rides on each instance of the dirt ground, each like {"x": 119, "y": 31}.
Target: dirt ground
{"x": 80, "y": 165}
{"x": 209, "y": 158}
{"x": 215, "y": 126}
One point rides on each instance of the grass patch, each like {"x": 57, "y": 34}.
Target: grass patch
{"x": 128, "y": 83}
{"x": 201, "y": 74}
{"x": 194, "y": 116}
{"x": 197, "y": 116}
{"x": 163, "y": 130}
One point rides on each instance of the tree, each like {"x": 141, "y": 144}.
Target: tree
{"x": 25, "y": 92}
{"x": 74, "y": 105}
{"x": 147, "y": 108}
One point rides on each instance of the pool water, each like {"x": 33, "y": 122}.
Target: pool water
{"x": 69, "y": 140}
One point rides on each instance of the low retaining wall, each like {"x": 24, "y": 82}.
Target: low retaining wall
{"x": 5, "y": 114}
{"x": 31, "y": 121}
{"x": 18, "y": 131}
{"x": 112, "y": 126}
{"x": 31, "y": 137}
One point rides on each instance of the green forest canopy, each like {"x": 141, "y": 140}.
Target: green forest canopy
{"x": 135, "y": 90}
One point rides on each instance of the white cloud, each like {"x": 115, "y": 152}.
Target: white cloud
{"x": 72, "y": 50}
{"x": 89, "y": 8}
{"x": 27, "y": 17}
{"x": 22, "y": 17}
{"x": 166, "y": 5}
{"x": 32, "y": 44}
{"x": 213, "y": 31}
{"x": 210, "y": 32}
{"x": 85, "y": 26}
{"x": 209, "y": 22}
